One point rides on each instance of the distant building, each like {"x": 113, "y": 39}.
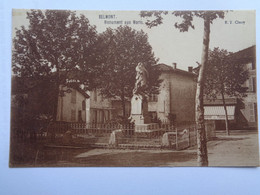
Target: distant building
{"x": 250, "y": 102}
{"x": 99, "y": 109}
{"x": 176, "y": 100}
{"x": 72, "y": 106}
{"x": 81, "y": 106}
{"x": 241, "y": 114}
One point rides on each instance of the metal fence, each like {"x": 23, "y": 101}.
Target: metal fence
{"x": 165, "y": 136}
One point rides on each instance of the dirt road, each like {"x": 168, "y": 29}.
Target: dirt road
{"x": 239, "y": 149}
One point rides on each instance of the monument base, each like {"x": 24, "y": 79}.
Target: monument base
{"x": 146, "y": 127}
{"x": 139, "y": 110}
{"x": 140, "y": 119}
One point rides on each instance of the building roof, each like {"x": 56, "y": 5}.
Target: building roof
{"x": 81, "y": 91}
{"x": 166, "y": 68}
{"x": 246, "y": 55}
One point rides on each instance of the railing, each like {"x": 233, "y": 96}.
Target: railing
{"x": 120, "y": 136}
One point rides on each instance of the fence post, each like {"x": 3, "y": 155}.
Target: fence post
{"x": 206, "y": 130}
{"x": 196, "y": 141}
{"x": 176, "y": 139}
{"x": 188, "y": 137}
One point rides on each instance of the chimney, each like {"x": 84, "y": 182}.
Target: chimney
{"x": 190, "y": 68}
{"x": 174, "y": 65}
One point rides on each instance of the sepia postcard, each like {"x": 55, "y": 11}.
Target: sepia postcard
{"x": 133, "y": 89}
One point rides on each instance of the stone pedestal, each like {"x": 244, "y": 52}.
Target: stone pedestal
{"x": 146, "y": 127}
{"x": 139, "y": 110}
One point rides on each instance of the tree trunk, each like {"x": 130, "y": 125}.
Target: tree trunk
{"x": 123, "y": 107}
{"x": 55, "y": 102}
{"x": 226, "y": 114}
{"x": 56, "y": 93}
{"x": 123, "y": 102}
{"x": 202, "y": 152}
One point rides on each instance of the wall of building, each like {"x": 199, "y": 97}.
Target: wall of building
{"x": 99, "y": 109}
{"x": 250, "y": 102}
{"x": 183, "y": 90}
{"x": 70, "y": 106}
{"x": 162, "y": 105}
{"x": 177, "y": 96}
{"x": 117, "y": 108}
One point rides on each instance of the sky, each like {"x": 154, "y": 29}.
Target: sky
{"x": 233, "y": 33}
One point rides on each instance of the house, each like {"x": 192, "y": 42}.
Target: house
{"x": 81, "y": 106}
{"x": 72, "y": 106}
{"x": 176, "y": 100}
{"x": 99, "y": 109}
{"x": 89, "y": 107}
{"x": 240, "y": 114}
{"x": 249, "y": 111}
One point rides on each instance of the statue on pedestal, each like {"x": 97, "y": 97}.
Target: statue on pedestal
{"x": 139, "y": 104}
{"x": 141, "y": 83}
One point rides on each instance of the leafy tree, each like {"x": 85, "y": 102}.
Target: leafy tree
{"x": 57, "y": 46}
{"x": 30, "y": 111}
{"x": 123, "y": 49}
{"x": 183, "y": 26}
{"x": 225, "y": 77}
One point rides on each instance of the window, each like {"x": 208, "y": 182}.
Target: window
{"x": 94, "y": 116}
{"x": 102, "y": 117}
{"x": 249, "y": 66}
{"x": 73, "y": 115}
{"x": 95, "y": 95}
{"x": 83, "y": 105}
{"x": 252, "y": 84}
{"x": 80, "y": 116}
{"x": 108, "y": 115}
{"x": 253, "y": 65}
{"x": 253, "y": 112}
{"x": 255, "y": 109}
{"x": 153, "y": 98}
{"x": 73, "y": 96}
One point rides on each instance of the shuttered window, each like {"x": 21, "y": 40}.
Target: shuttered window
{"x": 73, "y": 97}
{"x": 73, "y": 115}
{"x": 253, "y": 112}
